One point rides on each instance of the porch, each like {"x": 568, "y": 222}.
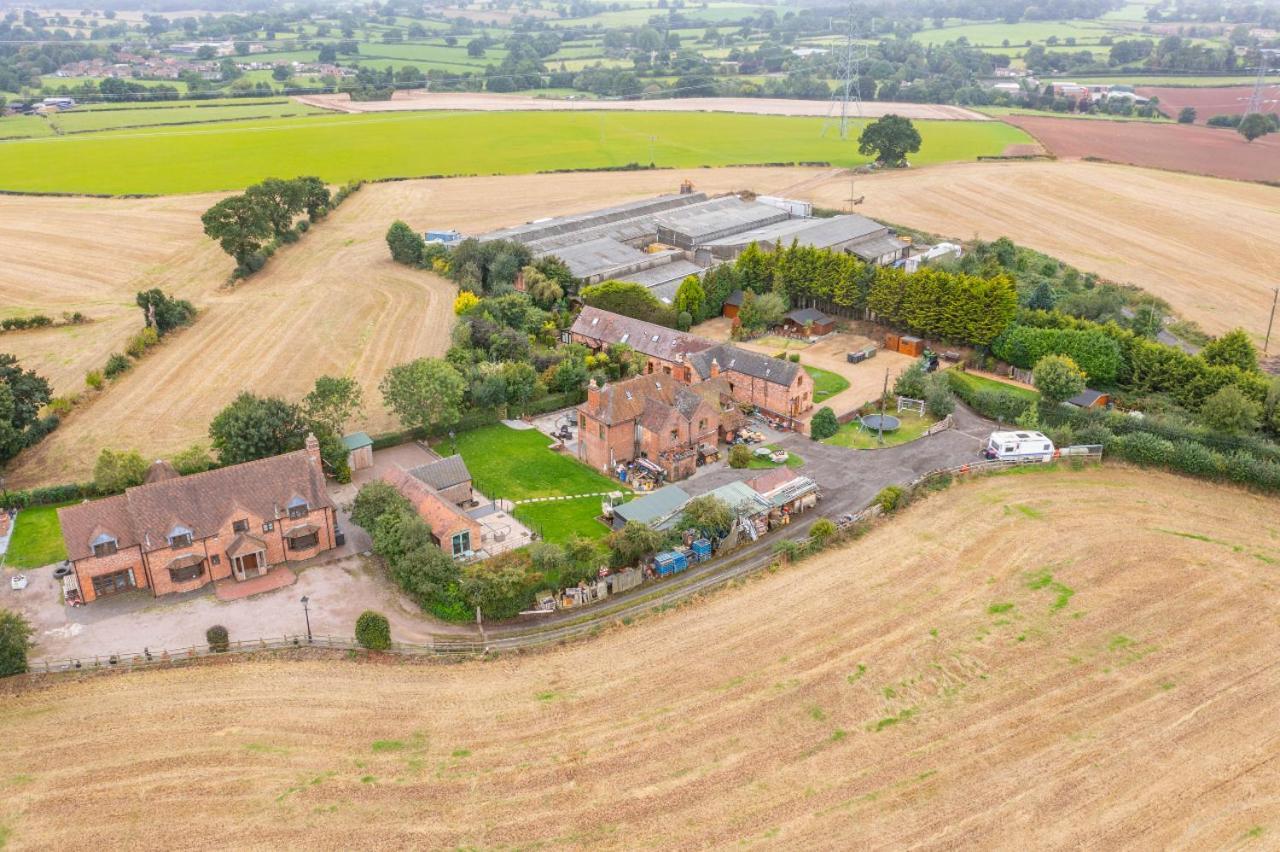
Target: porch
{"x": 232, "y": 589}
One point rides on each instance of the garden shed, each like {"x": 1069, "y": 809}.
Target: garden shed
{"x": 808, "y": 321}
{"x": 1089, "y": 398}
{"x": 359, "y": 447}
{"x": 652, "y": 509}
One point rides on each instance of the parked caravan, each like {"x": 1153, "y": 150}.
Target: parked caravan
{"x": 1019, "y": 446}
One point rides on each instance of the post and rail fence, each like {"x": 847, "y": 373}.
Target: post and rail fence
{"x": 719, "y": 571}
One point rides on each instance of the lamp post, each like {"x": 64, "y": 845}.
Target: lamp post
{"x": 306, "y": 613}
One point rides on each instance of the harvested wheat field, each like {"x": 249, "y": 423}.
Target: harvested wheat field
{"x": 1206, "y": 246}
{"x": 410, "y": 100}
{"x": 332, "y": 303}
{"x": 1052, "y": 660}
{"x": 92, "y": 255}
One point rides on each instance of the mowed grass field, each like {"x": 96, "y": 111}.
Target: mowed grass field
{"x": 342, "y": 147}
{"x": 1044, "y": 661}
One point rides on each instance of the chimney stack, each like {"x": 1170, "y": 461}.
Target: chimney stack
{"x": 593, "y": 396}
{"x": 715, "y": 368}
{"x": 313, "y": 450}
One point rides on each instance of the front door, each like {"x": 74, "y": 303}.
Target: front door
{"x": 249, "y": 566}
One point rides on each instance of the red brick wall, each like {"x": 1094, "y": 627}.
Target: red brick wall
{"x": 777, "y": 399}
{"x": 595, "y": 451}
{"x": 96, "y": 566}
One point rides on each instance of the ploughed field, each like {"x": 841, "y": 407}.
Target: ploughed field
{"x": 231, "y": 155}
{"x": 1210, "y": 101}
{"x": 1215, "y": 151}
{"x": 1055, "y": 659}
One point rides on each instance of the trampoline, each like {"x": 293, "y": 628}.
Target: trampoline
{"x": 876, "y": 422}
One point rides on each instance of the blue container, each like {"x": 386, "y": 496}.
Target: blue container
{"x": 671, "y": 562}
{"x": 702, "y": 550}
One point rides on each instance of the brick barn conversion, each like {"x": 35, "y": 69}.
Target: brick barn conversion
{"x": 179, "y": 533}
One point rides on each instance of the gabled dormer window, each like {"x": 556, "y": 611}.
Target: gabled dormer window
{"x": 105, "y": 545}
{"x": 298, "y": 508}
{"x": 179, "y": 536}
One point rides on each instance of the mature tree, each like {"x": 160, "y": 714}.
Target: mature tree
{"x": 315, "y": 196}
{"x": 333, "y": 401}
{"x": 754, "y": 269}
{"x": 425, "y": 393}
{"x": 1187, "y": 115}
{"x": 279, "y": 200}
{"x": 194, "y": 459}
{"x": 116, "y": 471}
{"x": 28, "y": 393}
{"x": 254, "y": 427}
{"x": 691, "y": 298}
{"x": 739, "y": 456}
{"x": 1271, "y": 407}
{"x": 1058, "y": 379}
{"x": 543, "y": 289}
{"x": 1254, "y": 125}
{"x": 633, "y": 543}
{"x": 938, "y": 399}
{"x": 521, "y": 382}
{"x": 1232, "y": 349}
{"x": 405, "y": 243}
{"x": 1230, "y": 411}
{"x": 824, "y": 424}
{"x": 373, "y": 500}
{"x": 15, "y": 639}
{"x": 889, "y": 139}
{"x": 499, "y": 587}
{"x": 763, "y": 311}
{"x": 1147, "y": 320}
{"x": 708, "y": 514}
{"x": 163, "y": 312}
{"x": 239, "y": 225}
{"x": 1041, "y": 298}
{"x": 570, "y": 374}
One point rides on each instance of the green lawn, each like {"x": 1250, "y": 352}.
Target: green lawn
{"x": 515, "y": 464}
{"x": 994, "y": 34}
{"x": 77, "y": 121}
{"x": 854, "y": 436}
{"x": 826, "y": 384}
{"x": 343, "y": 147}
{"x": 757, "y": 463}
{"x": 978, "y": 383}
{"x": 37, "y": 538}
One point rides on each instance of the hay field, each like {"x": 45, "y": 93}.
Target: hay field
{"x": 1207, "y": 246}
{"x": 332, "y": 303}
{"x": 92, "y": 255}
{"x": 1069, "y": 660}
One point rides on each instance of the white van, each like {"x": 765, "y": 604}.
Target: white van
{"x": 1019, "y": 446}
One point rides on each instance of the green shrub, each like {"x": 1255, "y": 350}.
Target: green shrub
{"x": 795, "y": 357}
{"x": 303, "y": 226}
{"x": 739, "y": 456}
{"x": 373, "y": 631}
{"x": 62, "y": 405}
{"x": 823, "y": 528}
{"x": 15, "y": 639}
{"x": 141, "y": 342}
{"x": 1196, "y": 460}
{"x": 94, "y": 379}
{"x": 891, "y": 498}
{"x": 1142, "y": 448}
{"x": 116, "y": 365}
{"x": 218, "y": 638}
{"x": 824, "y": 424}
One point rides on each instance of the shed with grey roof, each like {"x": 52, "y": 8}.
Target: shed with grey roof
{"x": 653, "y": 508}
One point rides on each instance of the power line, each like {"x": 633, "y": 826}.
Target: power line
{"x": 847, "y": 91}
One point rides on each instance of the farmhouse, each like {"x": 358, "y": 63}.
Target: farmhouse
{"x": 451, "y": 529}
{"x": 653, "y": 418}
{"x": 779, "y": 388}
{"x": 179, "y": 533}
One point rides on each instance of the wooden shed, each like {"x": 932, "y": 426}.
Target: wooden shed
{"x": 908, "y": 345}
{"x": 810, "y": 321}
{"x": 1089, "y": 398}
{"x": 732, "y": 305}
{"x": 359, "y": 448}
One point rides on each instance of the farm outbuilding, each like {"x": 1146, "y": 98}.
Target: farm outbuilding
{"x": 653, "y": 509}
{"x": 359, "y": 447}
{"x": 808, "y": 321}
{"x": 732, "y": 305}
{"x": 1089, "y": 398}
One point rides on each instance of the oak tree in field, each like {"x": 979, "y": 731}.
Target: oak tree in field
{"x": 405, "y": 243}
{"x": 239, "y": 225}
{"x": 889, "y": 138}
{"x": 1254, "y": 125}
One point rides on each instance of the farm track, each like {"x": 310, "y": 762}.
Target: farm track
{"x": 978, "y": 673}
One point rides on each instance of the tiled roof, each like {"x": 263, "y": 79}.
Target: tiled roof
{"x": 804, "y": 315}
{"x": 441, "y": 515}
{"x": 443, "y": 473}
{"x": 159, "y": 471}
{"x": 647, "y": 398}
{"x": 644, "y": 337}
{"x": 201, "y": 502}
{"x": 732, "y": 358}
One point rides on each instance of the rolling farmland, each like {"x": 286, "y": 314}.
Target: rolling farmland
{"x": 344, "y": 147}
{"x": 1004, "y": 681}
